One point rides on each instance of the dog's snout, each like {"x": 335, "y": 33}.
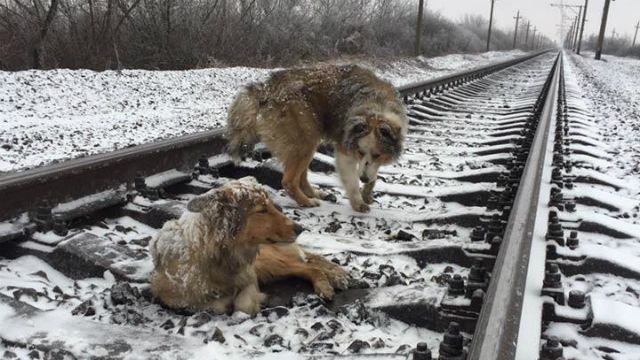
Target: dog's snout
{"x": 298, "y": 229}
{"x": 364, "y": 178}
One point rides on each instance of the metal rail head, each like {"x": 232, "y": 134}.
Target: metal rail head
{"x": 72, "y": 179}
{"x": 496, "y": 332}
{"x": 425, "y": 86}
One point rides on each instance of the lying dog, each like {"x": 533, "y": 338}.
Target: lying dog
{"x": 295, "y": 110}
{"x": 206, "y": 260}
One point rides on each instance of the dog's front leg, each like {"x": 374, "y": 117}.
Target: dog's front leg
{"x": 348, "y": 170}
{"x": 367, "y": 191}
{"x": 249, "y": 299}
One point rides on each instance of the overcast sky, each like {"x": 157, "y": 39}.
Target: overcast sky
{"x": 623, "y": 14}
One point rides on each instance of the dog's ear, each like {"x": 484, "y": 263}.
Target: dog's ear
{"x": 199, "y": 203}
{"x": 357, "y": 128}
{"x": 210, "y": 199}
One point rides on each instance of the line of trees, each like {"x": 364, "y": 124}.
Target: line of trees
{"x": 179, "y": 34}
{"x": 620, "y": 46}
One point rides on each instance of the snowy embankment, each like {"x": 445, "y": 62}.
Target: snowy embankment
{"x": 48, "y": 116}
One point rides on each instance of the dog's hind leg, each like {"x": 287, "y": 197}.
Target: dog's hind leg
{"x": 308, "y": 189}
{"x": 291, "y": 179}
{"x": 286, "y": 261}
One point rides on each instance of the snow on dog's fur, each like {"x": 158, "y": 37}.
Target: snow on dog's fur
{"x": 206, "y": 260}
{"x": 295, "y": 110}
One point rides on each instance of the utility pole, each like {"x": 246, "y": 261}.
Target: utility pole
{"x": 636, "y": 35}
{"x": 419, "y": 27}
{"x": 526, "y": 36}
{"x": 613, "y": 34}
{"x": 490, "y": 23}
{"x": 515, "y": 34}
{"x": 574, "y": 47}
{"x": 533, "y": 37}
{"x": 569, "y": 37}
{"x": 603, "y": 28}
{"x": 569, "y": 41}
{"x": 584, "y": 16}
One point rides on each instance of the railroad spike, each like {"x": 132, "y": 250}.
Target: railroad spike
{"x": 551, "y": 349}
{"x": 573, "y": 241}
{"x": 477, "y": 278}
{"x": 477, "y": 234}
{"x": 477, "y": 299}
{"x": 203, "y": 166}
{"x": 552, "y": 276}
{"x": 552, "y": 253}
{"x": 496, "y": 241}
{"x": 456, "y": 285}
{"x": 44, "y": 217}
{"x": 554, "y": 230}
{"x": 139, "y": 184}
{"x": 451, "y": 347}
{"x": 421, "y": 352}
{"x": 60, "y": 228}
{"x": 577, "y": 299}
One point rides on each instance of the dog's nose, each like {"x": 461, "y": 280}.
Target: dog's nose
{"x": 364, "y": 178}
{"x": 298, "y": 229}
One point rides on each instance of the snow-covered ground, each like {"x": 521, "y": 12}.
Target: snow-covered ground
{"x": 48, "y": 116}
{"x": 603, "y": 100}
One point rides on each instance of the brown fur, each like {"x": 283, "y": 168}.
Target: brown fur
{"x": 206, "y": 260}
{"x": 295, "y": 110}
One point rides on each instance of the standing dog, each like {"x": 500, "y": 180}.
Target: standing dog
{"x": 206, "y": 260}
{"x": 295, "y": 110}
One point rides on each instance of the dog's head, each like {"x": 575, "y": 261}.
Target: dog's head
{"x": 242, "y": 212}
{"x": 375, "y": 139}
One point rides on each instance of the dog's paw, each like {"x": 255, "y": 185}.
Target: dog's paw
{"x": 360, "y": 207}
{"x": 311, "y": 203}
{"x": 320, "y": 194}
{"x": 367, "y": 197}
{"x": 339, "y": 279}
{"x": 324, "y": 289}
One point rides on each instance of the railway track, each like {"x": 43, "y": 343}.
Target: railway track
{"x": 496, "y": 236}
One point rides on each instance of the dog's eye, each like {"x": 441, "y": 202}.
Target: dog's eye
{"x": 386, "y": 133}
{"x": 359, "y": 128}
{"x": 361, "y": 153}
{"x": 263, "y": 210}
{"x": 375, "y": 156}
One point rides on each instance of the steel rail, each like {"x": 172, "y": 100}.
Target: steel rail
{"x": 436, "y": 85}
{"x": 496, "y": 332}
{"x": 72, "y": 179}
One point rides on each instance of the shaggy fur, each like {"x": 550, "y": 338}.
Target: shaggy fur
{"x": 206, "y": 260}
{"x": 295, "y": 110}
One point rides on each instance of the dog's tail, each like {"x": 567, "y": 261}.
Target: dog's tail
{"x": 241, "y": 122}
